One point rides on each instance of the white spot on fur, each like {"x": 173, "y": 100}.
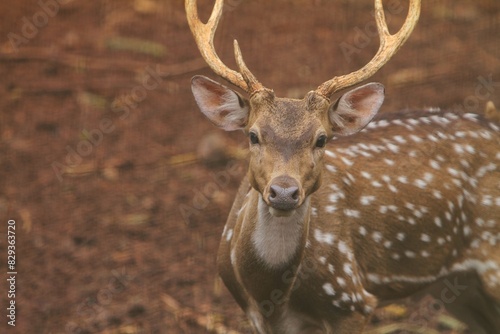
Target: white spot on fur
{"x": 366, "y": 175}
{"x": 324, "y": 238}
{"x": 330, "y": 154}
{"x": 437, "y": 194}
{"x": 346, "y": 161}
{"x": 389, "y": 162}
{"x": 367, "y": 200}
{"x": 229, "y": 235}
{"x": 420, "y": 183}
{"x": 410, "y": 254}
{"x": 330, "y": 208}
{"x": 328, "y": 288}
{"x": 425, "y": 237}
{"x": 331, "y": 168}
{"x": 341, "y": 281}
{"x": 343, "y": 247}
{"x": 403, "y": 179}
{"x": 348, "y": 269}
{"x": 416, "y": 139}
{"x": 352, "y": 213}
{"x": 399, "y": 139}
{"x": 377, "y": 236}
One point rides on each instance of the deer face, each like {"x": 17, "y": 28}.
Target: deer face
{"x": 287, "y": 137}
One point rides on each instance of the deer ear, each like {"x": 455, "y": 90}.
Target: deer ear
{"x": 223, "y": 106}
{"x": 355, "y": 109}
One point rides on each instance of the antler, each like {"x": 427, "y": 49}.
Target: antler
{"x": 389, "y": 45}
{"x": 204, "y": 36}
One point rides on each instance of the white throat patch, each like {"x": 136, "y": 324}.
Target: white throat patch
{"x": 276, "y": 238}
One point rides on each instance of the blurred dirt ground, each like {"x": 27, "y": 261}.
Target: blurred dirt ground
{"x": 119, "y": 186}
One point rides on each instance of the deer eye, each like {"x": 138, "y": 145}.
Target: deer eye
{"x": 321, "y": 141}
{"x": 253, "y": 138}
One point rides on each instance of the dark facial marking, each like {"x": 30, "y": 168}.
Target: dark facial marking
{"x": 287, "y": 145}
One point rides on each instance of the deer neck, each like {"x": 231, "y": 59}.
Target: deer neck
{"x": 278, "y": 239}
{"x": 277, "y": 248}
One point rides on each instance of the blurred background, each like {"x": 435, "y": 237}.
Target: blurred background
{"x": 118, "y": 185}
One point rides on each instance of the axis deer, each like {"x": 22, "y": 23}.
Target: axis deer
{"x": 318, "y": 236}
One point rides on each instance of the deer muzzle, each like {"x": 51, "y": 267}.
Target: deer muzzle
{"x": 283, "y": 195}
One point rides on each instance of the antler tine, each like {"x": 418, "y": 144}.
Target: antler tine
{"x": 204, "y": 36}
{"x": 389, "y": 45}
{"x": 249, "y": 78}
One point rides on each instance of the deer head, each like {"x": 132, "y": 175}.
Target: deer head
{"x": 287, "y": 137}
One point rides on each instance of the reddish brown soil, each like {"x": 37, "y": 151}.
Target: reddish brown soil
{"x": 102, "y": 245}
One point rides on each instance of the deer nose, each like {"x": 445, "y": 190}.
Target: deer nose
{"x": 284, "y": 194}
